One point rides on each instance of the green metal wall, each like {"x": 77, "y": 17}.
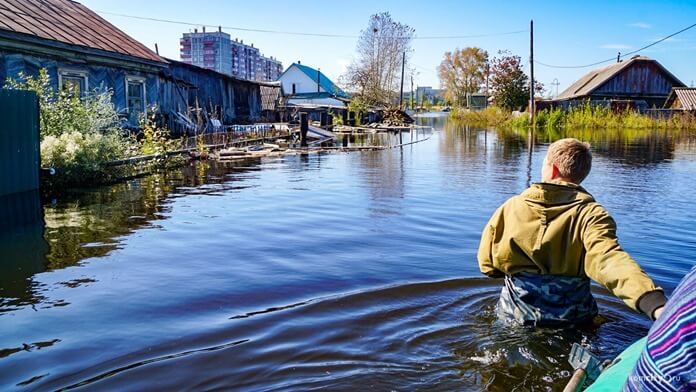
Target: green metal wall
{"x": 19, "y": 141}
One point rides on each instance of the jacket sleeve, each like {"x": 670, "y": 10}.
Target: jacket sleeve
{"x": 485, "y": 250}
{"x": 612, "y": 267}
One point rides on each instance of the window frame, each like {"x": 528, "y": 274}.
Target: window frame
{"x": 72, "y": 73}
{"x": 136, "y": 79}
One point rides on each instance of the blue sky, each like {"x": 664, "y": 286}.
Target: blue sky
{"x": 566, "y": 33}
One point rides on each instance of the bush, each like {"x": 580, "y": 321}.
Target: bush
{"x": 490, "y": 116}
{"x": 79, "y": 135}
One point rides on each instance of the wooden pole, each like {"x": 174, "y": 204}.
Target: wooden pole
{"x": 401, "y": 96}
{"x": 488, "y": 72}
{"x": 412, "y": 92}
{"x": 304, "y": 127}
{"x": 531, "y": 73}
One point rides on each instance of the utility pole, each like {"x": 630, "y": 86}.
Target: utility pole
{"x": 412, "y": 91}
{"x": 401, "y": 96}
{"x": 488, "y": 72}
{"x": 531, "y": 73}
{"x": 318, "y": 80}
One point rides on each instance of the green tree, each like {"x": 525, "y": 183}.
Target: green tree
{"x": 509, "y": 83}
{"x": 462, "y": 72}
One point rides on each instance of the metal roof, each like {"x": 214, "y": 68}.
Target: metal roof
{"x": 69, "y": 22}
{"x": 596, "y": 78}
{"x": 686, "y": 96}
{"x": 324, "y": 82}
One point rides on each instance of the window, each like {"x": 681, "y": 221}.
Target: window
{"x": 74, "y": 81}
{"x": 135, "y": 98}
{"x": 293, "y": 89}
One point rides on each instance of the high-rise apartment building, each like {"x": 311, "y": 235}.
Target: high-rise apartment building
{"x": 269, "y": 69}
{"x": 244, "y": 60}
{"x": 217, "y": 51}
{"x": 209, "y": 50}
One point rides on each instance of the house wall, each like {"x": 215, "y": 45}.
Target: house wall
{"x": 98, "y": 76}
{"x": 235, "y": 100}
{"x": 303, "y": 84}
{"x": 643, "y": 80}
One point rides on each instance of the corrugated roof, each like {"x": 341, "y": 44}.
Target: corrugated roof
{"x": 324, "y": 82}
{"x": 596, "y": 78}
{"x": 686, "y": 95}
{"x": 69, "y": 22}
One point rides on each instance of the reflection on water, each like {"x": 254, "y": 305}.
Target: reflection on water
{"x": 339, "y": 271}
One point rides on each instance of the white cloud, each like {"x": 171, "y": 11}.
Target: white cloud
{"x": 641, "y": 25}
{"x": 616, "y": 46}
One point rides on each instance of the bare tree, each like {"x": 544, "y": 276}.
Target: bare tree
{"x": 375, "y": 74}
{"x": 463, "y": 72}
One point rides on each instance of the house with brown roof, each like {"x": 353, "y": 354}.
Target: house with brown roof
{"x": 80, "y": 49}
{"x": 640, "y": 81}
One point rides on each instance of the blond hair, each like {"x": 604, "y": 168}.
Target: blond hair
{"x": 572, "y": 158}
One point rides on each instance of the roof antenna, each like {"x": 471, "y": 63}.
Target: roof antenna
{"x": 156, "y": 49}
{"x": 618, "y": 57}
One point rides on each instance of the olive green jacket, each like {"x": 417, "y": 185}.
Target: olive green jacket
{"x": 560, "y": 229}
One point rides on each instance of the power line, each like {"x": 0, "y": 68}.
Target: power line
{"x": 324, "y": 35}
{"x": 623, "y": 55}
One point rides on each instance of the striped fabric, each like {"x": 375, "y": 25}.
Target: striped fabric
{"x": 668, "y": 362}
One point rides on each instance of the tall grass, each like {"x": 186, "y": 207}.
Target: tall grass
{"x": 598, "y": 117}
{"x": 581, "y": 117}
{"x": 490, "y": 116}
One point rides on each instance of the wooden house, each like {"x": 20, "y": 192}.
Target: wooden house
{"x": 642, "y": 80}
{"x": 78, "y": 48}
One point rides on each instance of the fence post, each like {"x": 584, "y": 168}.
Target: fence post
{"x": 304, "y": 127}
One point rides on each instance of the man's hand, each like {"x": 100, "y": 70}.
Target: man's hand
{"x": 658, "y": 312}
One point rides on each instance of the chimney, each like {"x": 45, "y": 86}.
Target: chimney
{"x": 299, "y": 62}
{"x": 203, "y": 29}
{"x": 195, "y": 31}
{"x": 220, "y": 29}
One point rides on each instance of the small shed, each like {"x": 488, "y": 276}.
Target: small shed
{"x": 682, "y": 98}
{"x": 638, "y": 79}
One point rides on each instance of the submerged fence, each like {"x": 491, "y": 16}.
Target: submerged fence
{"x": 19, "y": 141}
{"x": 19, "y": 159}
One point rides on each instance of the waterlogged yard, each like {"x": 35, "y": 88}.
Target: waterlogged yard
{"x": 337, "y": 271}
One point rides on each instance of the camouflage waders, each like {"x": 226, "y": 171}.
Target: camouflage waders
{"x": 546, "y": 300}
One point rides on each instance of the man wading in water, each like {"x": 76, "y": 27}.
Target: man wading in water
{"x": 549, "y": 241}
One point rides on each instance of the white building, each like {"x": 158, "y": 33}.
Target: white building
{"x": 303, "y": 85}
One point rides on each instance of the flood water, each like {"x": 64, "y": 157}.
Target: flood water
{"x": 342, "y": 271}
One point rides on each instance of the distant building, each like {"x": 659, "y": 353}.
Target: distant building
{"x": 682, "y": 98}
{"x": 641, "y": 80}
{"x": 209, "y": 50}
{"x": 245, "y": 60}
{"x": 269, "y": 69}
{"x": 427, "y": 94}
{"x": 217, "y": 52}
{"x": 303, "y": 85}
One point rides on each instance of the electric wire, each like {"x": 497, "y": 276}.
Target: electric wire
{"x": 299, "y": 33}
{"x": 620, "y": 56}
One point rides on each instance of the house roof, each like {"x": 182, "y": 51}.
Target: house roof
{"x": 596, "y": 78}
{"x": 324, "y": 82}
{"x": 71, "y": 23}
{"x": 686, "y": 96}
